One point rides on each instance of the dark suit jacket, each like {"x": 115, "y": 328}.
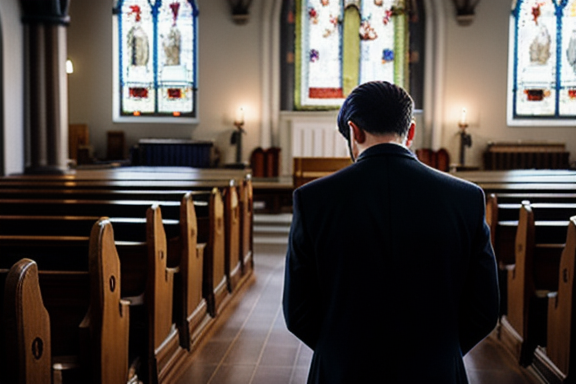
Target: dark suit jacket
{"x": 390, "y": 273}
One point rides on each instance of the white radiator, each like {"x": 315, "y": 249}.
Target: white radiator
{"x": 317, "y": 139}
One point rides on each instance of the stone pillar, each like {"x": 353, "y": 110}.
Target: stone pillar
{"x": 46, "y": 92}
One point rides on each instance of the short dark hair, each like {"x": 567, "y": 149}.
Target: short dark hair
{"x": 377, "y": 107}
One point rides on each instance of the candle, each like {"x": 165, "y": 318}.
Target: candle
{"x": 463, "y": 117}
{"x": 240, "y": 116}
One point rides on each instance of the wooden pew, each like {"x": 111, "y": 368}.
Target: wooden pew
{"x": 26, "y": 327}
{"x": 107, "y": 322}
{"x": 534, "y": 273}
{"x": 160, "y": 179}
{"x": 191, "y": 311}
{"x": 306, "y": 169}
{"x": 245, "y": 259}
{"x": 208, "y": 232}
{"x": 536, "y": 197}
{"x": 108, "y": 317}
{"x": 100, "y": 346}
{"x": 238, "y": 213}
{"x": 555, "y": 360}
{"x": 156, "y": 337}
{"x": 163, "y": 341}
{"x": 502, "y": 218}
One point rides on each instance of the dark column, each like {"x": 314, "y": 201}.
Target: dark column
{"x": 46, "y": 93}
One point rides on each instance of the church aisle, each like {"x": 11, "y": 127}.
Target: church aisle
{"x": 251, "y": 345}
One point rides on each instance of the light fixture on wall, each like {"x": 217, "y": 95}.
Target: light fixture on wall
{"x": 69, "y": 67}
{"x": 465, "y": 11}
{"x": 465, "y": 138}
{"x": 237, "y": 135}
{"x": 240, "y": 10}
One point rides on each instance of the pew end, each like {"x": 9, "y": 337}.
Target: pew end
{"x": 27, "y": 326}
{"x": 555, "y": 360}
{"x": 529, "y": 280}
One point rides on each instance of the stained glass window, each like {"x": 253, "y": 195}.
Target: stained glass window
{"x": 157, "y": 57}
{"x": 343, "y": 43}
{"x": 543, "y": 60}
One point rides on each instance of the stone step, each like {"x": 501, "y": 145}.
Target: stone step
{"x": 264, "y": 228}
{"x": 272, "y": 229}
{"x": 279, "y": 219}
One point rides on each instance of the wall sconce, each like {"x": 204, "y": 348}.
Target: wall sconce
{"x": 237, "y": 135}
{"x": 240, "y": 10}
{"x": 69, "y": 67}
{"x": 465, "y": 138}
{"x": 465, "y": 11}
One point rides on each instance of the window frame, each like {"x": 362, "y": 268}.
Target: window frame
{"x": 513, "y": 118}
{"x": 117, "y": 116}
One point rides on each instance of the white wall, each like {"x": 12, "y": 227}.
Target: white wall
{"x": 12, "y": 82}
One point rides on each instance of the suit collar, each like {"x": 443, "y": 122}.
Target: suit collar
{"x": 386, "y": 149}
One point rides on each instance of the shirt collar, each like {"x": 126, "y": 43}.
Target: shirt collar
{"x": 386, "y": 149}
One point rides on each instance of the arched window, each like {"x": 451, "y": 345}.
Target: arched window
{"x": 542, "y": 74}
{"x": 156, "y": 58}
{"x": 331, "y": 46}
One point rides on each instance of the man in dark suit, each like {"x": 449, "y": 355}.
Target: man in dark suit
{"x": 390, "y": 274}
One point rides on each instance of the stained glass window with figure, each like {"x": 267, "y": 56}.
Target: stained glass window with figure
{"x": 157, "y": 57}
{"x": 542, "y": 76}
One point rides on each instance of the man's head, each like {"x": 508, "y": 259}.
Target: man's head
{"x": 379, "y": 108}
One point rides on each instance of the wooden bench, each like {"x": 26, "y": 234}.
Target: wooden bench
{"x": 211, "y": 228}
{"x": 536, "y": 197}
{"x": 241, "y": 225}
{"x": 238, "y": 212}
{"x": 502, "y": 219}
{"x": 533, "y": 274}
{"x": 84, "y": 305}
{"x": 306, "y": 169}
{"x": 556, "y": 359}
{"x": 26, "y": 327}
{"x": 144, "y": 264}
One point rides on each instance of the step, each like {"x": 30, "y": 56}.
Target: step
{"x": 281, "y": 219}
{"x": 270, "y": 240}
{"x": 263, "y": 228}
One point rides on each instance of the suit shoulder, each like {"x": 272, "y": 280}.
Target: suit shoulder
{"x": 458, "y": 182}
{"x": 334, "y": 180}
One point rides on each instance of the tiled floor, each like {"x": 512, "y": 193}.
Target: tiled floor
{"x": 252, "y": 345}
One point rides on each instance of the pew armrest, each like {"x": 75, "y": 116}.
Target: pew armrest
{"x": 552, "y": 302}
{"x": 65, "y": 368}
{"x": 133, "y": 300}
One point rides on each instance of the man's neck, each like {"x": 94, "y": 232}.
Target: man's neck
{"x": 372, "y": 140}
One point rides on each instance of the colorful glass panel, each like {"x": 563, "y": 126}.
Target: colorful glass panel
{"x": 344, "y": 41}
{"x": 157, "y": 57}
{"x": 567, "y": 103}
{"x": 320, "y": 51}
{"x": 544, "y": 59}
{"x": 378, "y": 39}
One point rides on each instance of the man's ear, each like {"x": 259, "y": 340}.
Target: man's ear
{"x": 356, "y": 133}
{"x": 410, "y": 135}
